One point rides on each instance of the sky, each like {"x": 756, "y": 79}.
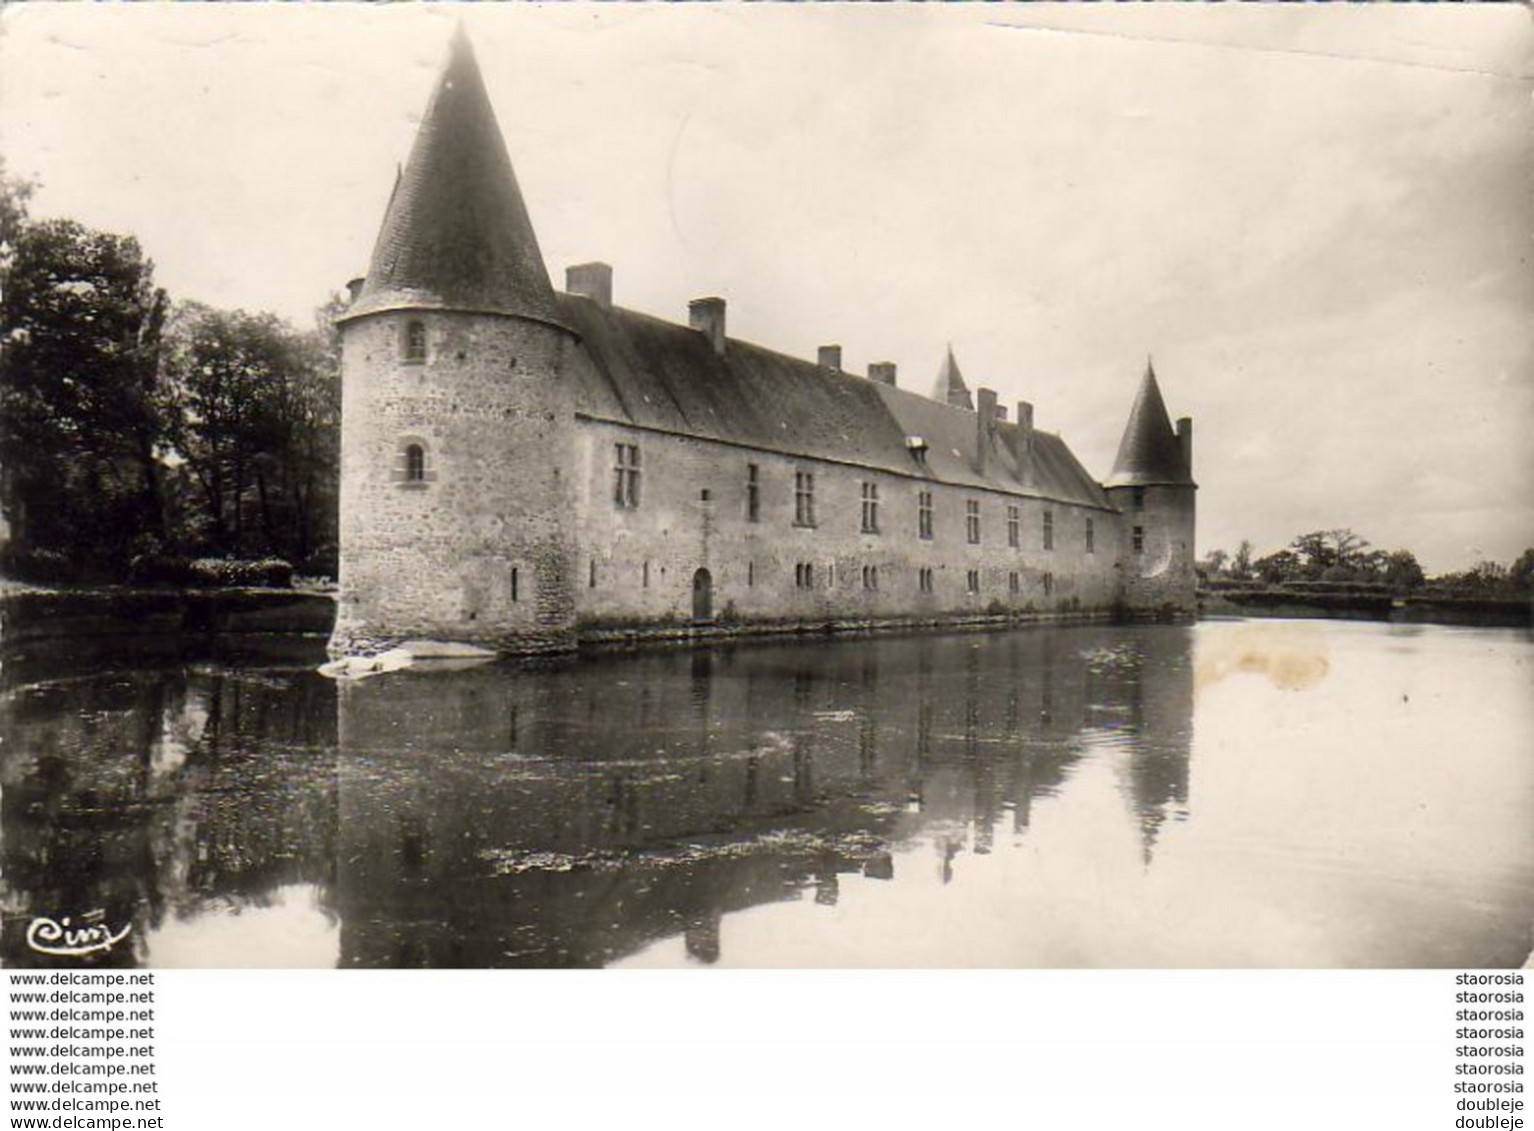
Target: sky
{"x": 1317, "y": 219}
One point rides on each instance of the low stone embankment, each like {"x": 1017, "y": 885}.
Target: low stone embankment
{"x": 37, "y": 615}
{"x": 1511, "y": 612}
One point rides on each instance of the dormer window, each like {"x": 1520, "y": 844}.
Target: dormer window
{"x": 414, "y": 346}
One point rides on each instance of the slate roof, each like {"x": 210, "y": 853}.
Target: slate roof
{"x": 456, "y": 232}
{"x": 1149, "y": 453}
{"x": 660, "y": 375}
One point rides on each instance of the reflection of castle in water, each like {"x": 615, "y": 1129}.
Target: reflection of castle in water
{"x": 507, "y": 815}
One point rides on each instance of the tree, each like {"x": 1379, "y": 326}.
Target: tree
{"x": 1401, "y": 570}
{"x": 1521, "y": 572}
{"x": 15, "y": 192}
{"x": 258, "y": 404}
{"x": 80, "y": 416}
{"x": 1321, "y": 550}
{"x": 1277, "y": 568}
{"x": 1214, "y": 563}
{"x": 1241, "y": 564}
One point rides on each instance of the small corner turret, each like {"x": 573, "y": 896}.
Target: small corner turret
{"x": 1152, "y": 486}
{"x": 950, "y": 388}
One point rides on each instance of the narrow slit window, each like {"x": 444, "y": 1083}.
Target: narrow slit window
{"x": 753, "y": 493}
{"x": 415, "y": 342}
{"x": 1049, "y": 530}
{"x": 415, "y": 463}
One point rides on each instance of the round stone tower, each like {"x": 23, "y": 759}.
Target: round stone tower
{"x": 457, "y": 441}
{"x": 1152, "y": 487}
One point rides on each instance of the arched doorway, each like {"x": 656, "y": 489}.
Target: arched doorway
{"x": 702, "y": 596}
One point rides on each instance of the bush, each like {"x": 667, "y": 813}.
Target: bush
{"x": 41, "y": 566}
{"x": 272, "y": 573}
{"x": 210, "y": 573}
{"x": 160, "y": 569}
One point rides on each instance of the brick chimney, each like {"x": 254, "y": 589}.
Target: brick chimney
{"x": 354, "y": 288}
{"x": 1025, "y": 418}
{"x": 985, "y": 428}
{"x": 1001, "y": 413}
{"x": 591, "y": 280}
{"x": 830, "y": 357}
{"x": 882, "y": 372}
{"x": 1185, "y": 441}
{"x": 706, "y": 315}
{"x": 1022, "y": 440}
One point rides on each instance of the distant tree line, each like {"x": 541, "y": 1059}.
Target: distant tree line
{"x": 1343, "y": 559}
{"x": 138, "y": 434}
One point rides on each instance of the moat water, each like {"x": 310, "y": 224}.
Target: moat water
{"x": 1241, "y": 793}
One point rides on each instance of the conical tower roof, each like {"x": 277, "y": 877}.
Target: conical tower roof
{"x": 1149, "y": 452}
{"x": 456, "y": 233}
{"x": 950, "y": 387}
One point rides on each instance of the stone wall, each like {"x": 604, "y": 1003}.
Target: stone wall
{"x": 638, "y": 564}
{"x": 1158, "y": 578}
{"x": 479, "y": 548}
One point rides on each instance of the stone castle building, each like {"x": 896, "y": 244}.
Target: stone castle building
{"x": 522, "y": 468}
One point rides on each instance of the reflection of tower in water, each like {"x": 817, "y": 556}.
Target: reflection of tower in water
{"x": 1154, "y": 689}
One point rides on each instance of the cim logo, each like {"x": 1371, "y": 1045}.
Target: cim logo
{"x": 73, "y": 940}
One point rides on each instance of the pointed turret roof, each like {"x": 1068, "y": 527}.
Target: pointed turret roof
{"x": 1149, "y": 452}
{"x": 456, "y": 233}
{"x": 950, "y": 387}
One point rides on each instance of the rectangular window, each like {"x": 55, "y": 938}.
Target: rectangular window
{"x": 1139, "y": 539}
{"x": 1139, "y": 498}
{"x": 1091, "y": 538}
{"x": 924, "y": 579}
{"x": 750, "y": 574}
{"x": 804, "y": 498}
{"x": 972, "y": 521}
{"x": 972, "y": 581}
{"x": 646, "y": 579}
{"x": 804, "y": 575}
{"x": 870, "y": 508}
{"x": 753, "y": 493}
{"x": 626, "y": 475}
{"x": 1049, "y": 530}
{"x": 514, "y": 595}
{"x": 1012, "y": 527}
{"x": 1049, "y": 584}
{"x": 870, "y": 577}
{"x": 924, "y": 515}
{"x": 591, "y": 578}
